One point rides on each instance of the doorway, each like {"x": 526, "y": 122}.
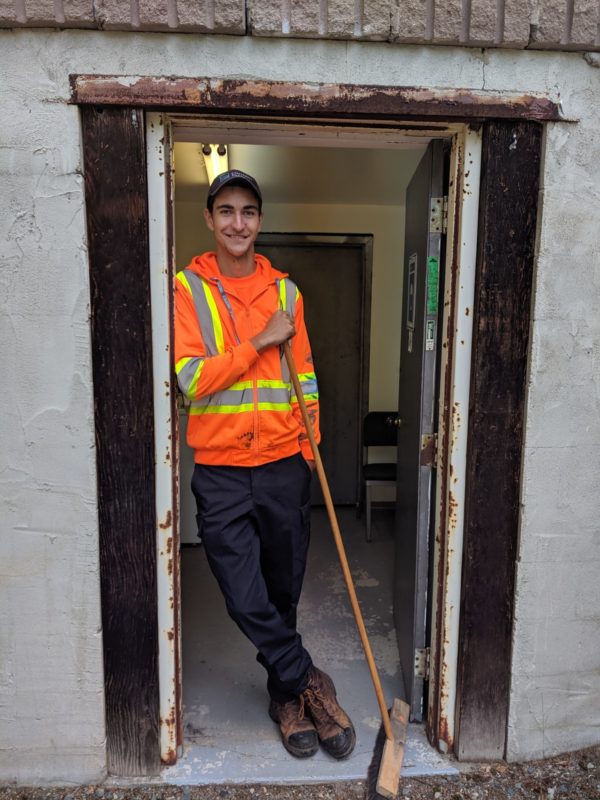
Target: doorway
{"x": 375, "y": 211}
{"x": 164, "y": 132}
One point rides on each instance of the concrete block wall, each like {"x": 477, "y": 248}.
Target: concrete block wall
{"x": 51, "y": 684}
{"x": 538, "y": 24}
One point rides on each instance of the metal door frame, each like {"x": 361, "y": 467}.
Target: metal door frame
{"x": 463, "y": 201}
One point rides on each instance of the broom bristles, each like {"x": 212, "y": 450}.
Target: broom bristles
{"x": 371, "y": 792}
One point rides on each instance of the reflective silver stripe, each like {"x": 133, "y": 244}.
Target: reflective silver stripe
{"x": 203, "y": 312}
{"x": 188, "y": 373}
{"x": 309, "y": 387}
{"x": 244, "y": 395}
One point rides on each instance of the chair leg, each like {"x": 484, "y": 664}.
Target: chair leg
{"x": 368, "y": 508}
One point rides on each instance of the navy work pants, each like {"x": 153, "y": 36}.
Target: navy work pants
{"x": 254, "y": 523}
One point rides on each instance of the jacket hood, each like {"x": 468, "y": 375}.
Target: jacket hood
{"x": 207, "y": 267}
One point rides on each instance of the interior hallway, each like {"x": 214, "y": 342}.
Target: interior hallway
{"x": 229, "y": 737}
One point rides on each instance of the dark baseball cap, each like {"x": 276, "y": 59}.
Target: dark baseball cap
{"x": 234, "y": 177}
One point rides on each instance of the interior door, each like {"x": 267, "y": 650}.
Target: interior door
{"x": 333, "y": 272}
{"x": 416, "y": 415}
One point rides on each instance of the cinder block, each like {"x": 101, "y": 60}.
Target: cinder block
{"x": 8, "y": 14}
{"x": 265, "y": 17}
{"x": 517, "y": 21}
{"x": 586, "y": 18}
{"x": 113, "y": 14}
{"x": 195, "y": 16}
{"x": 377, "y": 19}
{"x": 79, "y": 13}
{"x": 341, "y": 19}
{"x": 305, "y": 18}
{"x": 230, "y": 16}
{"x": 40, "y": 12}
{"x": 410, "y": 22}
{"x": 551, "y": 26}
{"x": 482, "y": 24}
{"x": 154, "y": 15}
{"x": 447, "y": 22}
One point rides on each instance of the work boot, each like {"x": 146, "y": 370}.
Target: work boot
{"x": 298, "y": 734}
{"x": 335, "y": 730}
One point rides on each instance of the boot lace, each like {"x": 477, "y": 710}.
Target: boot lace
{"x": 294, "y": 710}
{"x": 322, "y": 708}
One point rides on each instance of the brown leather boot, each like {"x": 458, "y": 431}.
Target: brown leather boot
{"x": 335, "y": 730}
{"x": 298, "y": 734}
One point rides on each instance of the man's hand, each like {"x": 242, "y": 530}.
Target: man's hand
{"x": 278, "y": 329}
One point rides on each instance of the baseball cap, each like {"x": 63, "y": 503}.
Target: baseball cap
{"x": 237, "y": 178}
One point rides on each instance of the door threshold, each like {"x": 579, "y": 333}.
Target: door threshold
{"x": 263, "y": 760}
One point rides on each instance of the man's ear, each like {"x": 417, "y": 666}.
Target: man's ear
{"x": 209, "y": 220}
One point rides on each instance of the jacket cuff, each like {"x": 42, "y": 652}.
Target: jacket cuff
{"x": 247, "y": 353}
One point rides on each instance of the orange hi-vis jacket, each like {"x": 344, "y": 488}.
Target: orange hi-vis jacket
{"x": 242, "y": 407}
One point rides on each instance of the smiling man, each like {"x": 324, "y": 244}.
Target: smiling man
{"x": 251, "y": 481}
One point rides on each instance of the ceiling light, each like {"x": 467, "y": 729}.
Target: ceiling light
{"x": 215, "y": 160}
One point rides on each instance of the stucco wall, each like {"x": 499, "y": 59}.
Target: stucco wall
{"x": 51, "y": 704}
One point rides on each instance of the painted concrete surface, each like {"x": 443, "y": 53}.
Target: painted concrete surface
{"x": 229, "y": 737}
{"x": 51, "y": 696}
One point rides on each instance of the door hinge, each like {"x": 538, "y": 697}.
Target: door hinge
{"x": 422, "y": 663}
{"x": 429, "y": 450}
{"x": 438, "y": 216}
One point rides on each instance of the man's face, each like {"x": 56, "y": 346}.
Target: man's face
{"x": 235, "y": 220}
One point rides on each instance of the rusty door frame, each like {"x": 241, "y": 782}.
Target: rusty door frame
{"x": 456, "y": 327}
{"x": 392, "y": 107}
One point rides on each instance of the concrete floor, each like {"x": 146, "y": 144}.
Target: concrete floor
{"x": 228, "y": 736}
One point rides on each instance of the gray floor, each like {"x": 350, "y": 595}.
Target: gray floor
{"x": 228, "y": 736}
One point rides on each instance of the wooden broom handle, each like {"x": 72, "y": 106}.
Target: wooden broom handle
{"x": 337, "y": 536}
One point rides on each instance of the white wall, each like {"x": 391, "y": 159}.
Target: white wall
{"x": 51, "y": 706}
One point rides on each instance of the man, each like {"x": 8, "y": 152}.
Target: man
{"x": 233, "y": 312}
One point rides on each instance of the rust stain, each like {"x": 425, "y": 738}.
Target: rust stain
{"x": 169, "y": 542}
{"x": 167, "y": 524}
{"x": 170, "y": 635}
{"x": 204, "y": 94}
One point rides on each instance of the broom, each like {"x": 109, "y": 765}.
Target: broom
{"x": 395, "y": 722}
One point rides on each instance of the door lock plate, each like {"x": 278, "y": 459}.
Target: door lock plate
{"x": 422, "y": 662}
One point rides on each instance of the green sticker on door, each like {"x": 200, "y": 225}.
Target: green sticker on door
{"x": 433, "y": 272}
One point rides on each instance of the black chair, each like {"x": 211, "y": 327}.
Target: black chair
{"x": 379, "y": 430}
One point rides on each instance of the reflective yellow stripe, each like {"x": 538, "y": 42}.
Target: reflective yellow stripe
{"x": 182, "y": 279}
{"x": 193, "y": 387}
{"x": 244, "y": 407}
{"x": 306, "y": 376}
{"x": 216, "y": 320}
{"x": 273, "y": 384}
{"x": 306, "y": 397}
{"x": 181, "y": 364}
{"x": 282, "y": 295}
{"x": 240, "y": 386}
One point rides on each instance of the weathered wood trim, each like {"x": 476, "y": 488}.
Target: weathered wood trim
{"x": 506, "y": 244}
{"x": 211, "y": 95}
{"x": 117, "y": 221}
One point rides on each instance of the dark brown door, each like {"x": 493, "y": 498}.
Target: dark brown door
{"x": 334, "y": 276}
